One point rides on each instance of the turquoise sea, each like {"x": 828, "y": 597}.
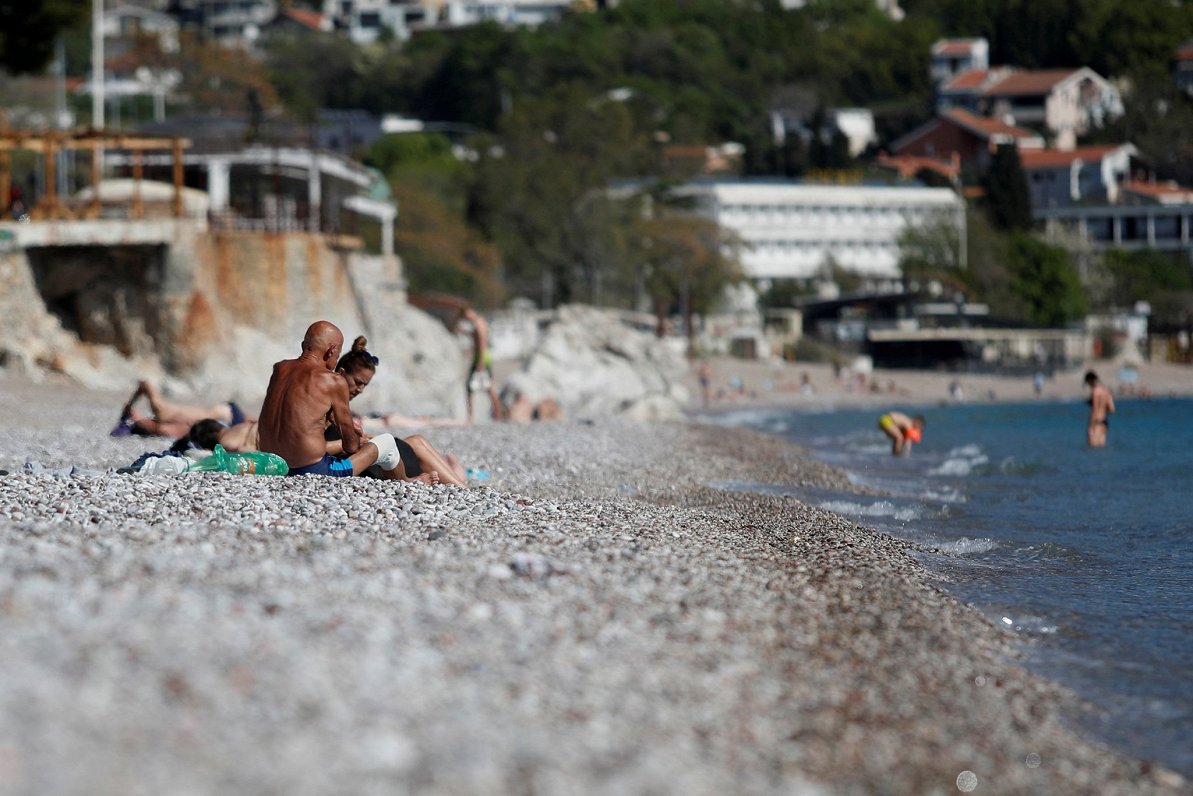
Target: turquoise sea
{"x": 1089, "y": 553}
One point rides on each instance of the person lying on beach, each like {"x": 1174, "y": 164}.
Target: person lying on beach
{"x": 303, "y": 396}
{"x": 902, "y": 430}
{"x": 170, "y": 418}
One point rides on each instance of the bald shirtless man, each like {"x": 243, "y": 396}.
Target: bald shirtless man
{"x": 304, "y": 394}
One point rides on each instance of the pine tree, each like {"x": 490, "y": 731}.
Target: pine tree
{"x": 1008, "y": 202}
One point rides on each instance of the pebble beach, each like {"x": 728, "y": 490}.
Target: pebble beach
{"x": 595, "y": 616}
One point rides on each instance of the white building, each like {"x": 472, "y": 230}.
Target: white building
{"x": 795, "y": 230}
{"x": 951, "y": 57}
{"x": 364, "y": 20}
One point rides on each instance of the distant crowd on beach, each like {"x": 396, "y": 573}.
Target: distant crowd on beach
{"x": 306, "y": 421}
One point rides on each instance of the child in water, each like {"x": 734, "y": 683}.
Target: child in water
{"x": 902, "y": 430}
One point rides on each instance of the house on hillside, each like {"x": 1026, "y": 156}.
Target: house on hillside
{"x": 1057, "y": 178}
{"x": 1064, "y": 103}
{"x": 1150, "y": 193}
{"x": 950, "y": 57}
{"x": 973, "y": 138}
{"x": 123, "y": 24}
{"x": 364, "y": 20}
{"x": 292, "y": 21}
{"x": 233, "y": 24}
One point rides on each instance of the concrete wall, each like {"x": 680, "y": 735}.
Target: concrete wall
{"x": 209, "y": 312}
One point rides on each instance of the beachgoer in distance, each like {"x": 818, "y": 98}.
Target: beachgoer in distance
{"x": 704, "y": 374}
{"x": 304, "y": 394}
{"x": 480, "y": 374}
{"x": 1101, "y": 406}
{"x": 170, "y": 418}
{"x": 902, "y": 430}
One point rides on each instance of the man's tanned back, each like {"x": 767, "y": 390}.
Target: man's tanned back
{"x": 304, "y": 395}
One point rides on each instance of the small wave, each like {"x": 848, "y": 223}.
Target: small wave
{"x": 961, "y": 461}
{"x": 1013, "y": 466}
{"x": 966, "y": 546}
{"x": 881, "y": 508}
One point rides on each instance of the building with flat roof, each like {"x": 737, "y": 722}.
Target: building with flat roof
{"x": 796, "y": 230}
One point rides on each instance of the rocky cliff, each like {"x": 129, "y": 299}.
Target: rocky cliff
{"x": 208, "y": 312}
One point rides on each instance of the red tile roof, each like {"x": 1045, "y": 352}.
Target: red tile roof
{"x": 970, "y": 78}
{"x": 1029, "y": 83}
{"x": 954, "y": 47}
{"x": 1055, "y": 158}
{"x": 985, "y": 126}
{"x": 1158, "y": 190}
{"x": 304, "y": 17}
{"x": 909, "y": 165}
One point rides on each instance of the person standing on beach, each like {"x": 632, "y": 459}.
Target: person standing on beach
{"x": 902, "y": 430}
{"x": 1101, "y": 406}
{"x": 704, "y": 374}
{"x": 304, "y": 394}
{"x": 480, "y": 375}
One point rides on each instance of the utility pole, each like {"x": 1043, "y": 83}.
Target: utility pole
{"x": 97, "y": 64}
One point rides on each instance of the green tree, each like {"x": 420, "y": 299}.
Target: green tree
{"x": 1045, "y": 281}
{"x": 688, "y": 262}
{"x": 932, "y": 251}
{"x": 538, "y": 187}
{"x": 1008, "y": 201}
{"x": 440, "y": 252}
{"x": 29, "y": 28}
{"x": 1162, "y": 279}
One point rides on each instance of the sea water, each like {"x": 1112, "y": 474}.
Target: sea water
{"x": 1088, "y": 552}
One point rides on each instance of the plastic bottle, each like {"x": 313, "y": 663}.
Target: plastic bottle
{"x": 164, "y": 465}
{"x": 247, "y": 463}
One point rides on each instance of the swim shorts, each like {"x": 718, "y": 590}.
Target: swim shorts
{"x": 409, "y": 458}
{"x": 480, "y": 380}
{"x": 237, "y": 413}
{"x": 328, "y": 465}
{"x": 887, "y": 423}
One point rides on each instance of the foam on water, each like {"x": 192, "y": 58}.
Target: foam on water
{"x": 880, "y": 508}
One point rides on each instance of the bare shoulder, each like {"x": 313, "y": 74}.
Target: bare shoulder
{"x": 330, "y": 382}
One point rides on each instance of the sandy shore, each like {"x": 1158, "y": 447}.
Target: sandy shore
{"x": 592, "y": 618}
{"x": 778, "y": 383}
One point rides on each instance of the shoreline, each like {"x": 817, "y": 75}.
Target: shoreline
{"x": 776, "y": 385}
{"x": 593, "y": 618}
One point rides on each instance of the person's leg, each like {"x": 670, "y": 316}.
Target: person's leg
{"x": 155, "y": 427}
{"x": 432, "y": 460}
{"x": 457, "y": 466}
{"x": 364, "y": 458}
{"x": 387, "y": 452}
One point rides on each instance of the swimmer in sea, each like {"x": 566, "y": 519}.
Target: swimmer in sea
{"x": 1101, "y": 406}
{"x": 902, "y": 430}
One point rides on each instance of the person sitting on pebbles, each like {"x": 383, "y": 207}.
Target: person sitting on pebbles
{"x": 419, "y": 459}
{"x": 902, "y": 430}
{"x": 304, "y": 394}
